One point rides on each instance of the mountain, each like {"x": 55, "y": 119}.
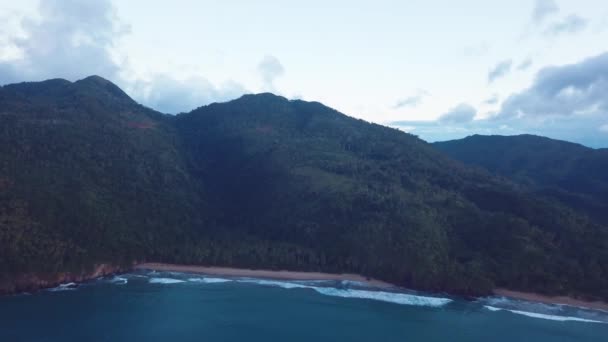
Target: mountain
{"x": 571, "y": 173}
{"x": 89, "y": 178}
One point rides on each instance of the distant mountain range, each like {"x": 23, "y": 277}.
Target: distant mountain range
{"x": 89, "y": 177}
{"x": 574, "y": 174}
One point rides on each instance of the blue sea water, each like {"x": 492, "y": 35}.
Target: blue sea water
{"x": 171, "y": 307}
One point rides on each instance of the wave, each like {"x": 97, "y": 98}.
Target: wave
{"x": 206, "y": 280}
{"x": 64, "y": 287}
{"x": 343, "y": 288}
{"x": 544, "y": 316}
{"x": 391, "y": 297}
{"x": 136, "y": 276}
{"x": 353, "y": 283}
{"x": 165, "y": 281}
{"x": 119, "y": 280}
{"x": 278, "y": 283}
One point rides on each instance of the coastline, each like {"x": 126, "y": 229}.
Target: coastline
{"x": 31, "y": 282}
{"x": 260, "y": 273}
{"x": 560, "y": 300}
{"x": 298, "y": 275}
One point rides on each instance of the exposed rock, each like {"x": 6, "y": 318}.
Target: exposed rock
{"x": 37, "y": 281}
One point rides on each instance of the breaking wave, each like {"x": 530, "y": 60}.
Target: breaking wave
{"x": 344, "y": 289}
{"x": 165, "y": 281}
{"x": 544, "y": 316}
{"x": 206, "y": 280}
{"x": 119, "y": 280}
{"x": 64, "y": 287}
{"x": 554, "y": 312}
{"x": 390, "y": 297}
{"x": 278, "y": 283}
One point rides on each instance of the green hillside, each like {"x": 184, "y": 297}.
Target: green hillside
{"x": 571, "y": 173}
{"x": 89, "y": 176}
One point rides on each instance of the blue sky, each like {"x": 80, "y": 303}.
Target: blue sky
{"x": 437, "y": 69}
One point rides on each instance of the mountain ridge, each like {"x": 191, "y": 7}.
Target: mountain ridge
{"x": 571, "y": 172}
{"x": 262, "y": 181}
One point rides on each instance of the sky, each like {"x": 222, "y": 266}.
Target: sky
{"x": 436, "y": 68}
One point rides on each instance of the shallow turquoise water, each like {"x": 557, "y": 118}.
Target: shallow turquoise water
{"x": 151, "y": 306}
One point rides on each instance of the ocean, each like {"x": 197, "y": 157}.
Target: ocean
{"x": 173, "y": 307}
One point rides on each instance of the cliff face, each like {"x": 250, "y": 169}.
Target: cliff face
{"x": 33, "y": 282}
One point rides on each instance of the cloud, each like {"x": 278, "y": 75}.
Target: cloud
{"x": 414, "y": 100}
{"x": 543, "y": 9}
{"x": 492, "y": 100}
{"x": 270, "y": 68}
{"x": 565, "y": 102}
{"x": 169, "y": 95}
{"x": 525, "y": 64}
{"x": 459, "y": 114}
{"x": 62, "y": 44}
{"x": 570, "y": 24}
{"x": 499, "y": 70}
{"x": 73, "y": 39}
{"x": 574, "y": 129}
{"x": 563, "y": 90}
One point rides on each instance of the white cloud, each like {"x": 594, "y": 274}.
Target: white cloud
{"x": 270, "y": 68}
{"x": 459, "y": 114}
{"x": 413, "y": 100}
{"x": 543, "y": 9}
{"x": 525, "y": 64}
{"x": 62, "y": 44}
{"x": 563, "y": 90}
{"x": 570, "y": 24}
{"x": 499, "y": 70}
{"x": 169, "y": 95}
{"x": 73, "y": 39}
{"x": 566, "y": 102}
{"x": 492, "y": 100}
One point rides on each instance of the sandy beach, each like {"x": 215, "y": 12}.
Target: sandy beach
{"x": 295, "y": 275}
{"x": 269, "y": 274}
{"x": 533, "y": 297}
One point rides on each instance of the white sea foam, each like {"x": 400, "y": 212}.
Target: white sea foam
{"x": 165, "y": 281}
{"x": 544, "y": 316}
{"x": 119, "y": 280}
{"x": 391, "y": 297}
{"x": 516, "y": 304}
{"x": 353, "y": 283}
{"x": 137, "y": 276}
{"x": 491, "y": 308}
{"x": 283, "y": 284}
{"x": 206, "y": 280}
{"x": 64, "y": 287}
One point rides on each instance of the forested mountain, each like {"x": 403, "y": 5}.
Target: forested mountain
{"x": 574, "y": 174}
{"x": 88, "y": 176}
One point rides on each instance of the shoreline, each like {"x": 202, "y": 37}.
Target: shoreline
{"x": 33, "y": 283}
{"x": 559, "y": 300}
{"x": 264, "y": 274}
{"x": 302, "y": 275}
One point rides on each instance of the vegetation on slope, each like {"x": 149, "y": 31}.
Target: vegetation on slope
{"x": 89, "y": 176}
{"x": 571, "y": 173}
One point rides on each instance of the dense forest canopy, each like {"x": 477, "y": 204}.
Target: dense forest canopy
{"x": 571, "y": 173}
{"x": 88, "y": 176}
